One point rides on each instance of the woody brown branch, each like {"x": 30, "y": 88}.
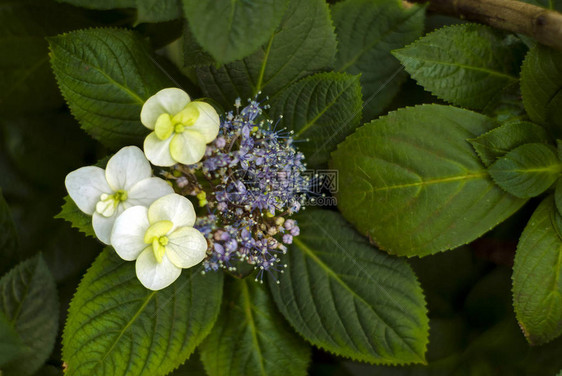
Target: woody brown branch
{"x": 541, "y": 24}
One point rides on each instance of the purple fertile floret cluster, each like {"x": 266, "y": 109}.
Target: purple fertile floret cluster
{"x": 256, "y": 178}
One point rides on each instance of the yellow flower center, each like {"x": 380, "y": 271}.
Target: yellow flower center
{"x": 156, "y": 235}
{"x": 107, "y": 204}
{"x": 166, "y": 124}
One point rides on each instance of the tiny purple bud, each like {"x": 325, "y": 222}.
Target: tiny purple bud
{"x": 231, "y": 245}
{"x": 219, "y": 249}
{"x": 225, "y": 236}
{"x": 295, "y": 231}
{"x": 290, "y": 223}
{"x": 220, "y": 142}
{"x": 245, "y": 234}
{"x": 182, "y": 181}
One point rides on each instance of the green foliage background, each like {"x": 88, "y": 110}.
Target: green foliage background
{"x": 445, "y": 135}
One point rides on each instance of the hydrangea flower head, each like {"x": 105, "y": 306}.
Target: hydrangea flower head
{"x": 161, "y": 239}
{"x": 181, "y": 128}
{"x": 257, "y": 179}
{"x": 127, "y": 181}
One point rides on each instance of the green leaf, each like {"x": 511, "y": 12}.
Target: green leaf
{"x": 26, "y": 81}
{"x": 115, "y": 326}
{"x": 541, "y": 87}
{"x": 367, "y": 31}
{"x": 105, "y": 76}
{"x": 147, "y": 10}
{"x": 527, "y": 171}
{"x": 77, "y": 218}
{"x": 10, "y": 343}
{"x": 537, "y": 287}
{"x": 250, "y": 337}
{"x": 102, "y": 4}
{"x": 499, "y": 141}
{"x": 467, "y": 65}
{"x": 193, "y": 53}
{"x": 506, "y": 106}
{"x": 415, "y": 185}
{"x": 230, "y": 30}
{"x": 323, "y": 109}
{"x": 158, "y": 10}
{"x": 304, "y": 43}
{"x": 8, "y": 237}
{"x": 348, "y": 298}
{"x": 558, "y": 195}
{"x": 192, "y": 367}
{"x": 28, "y": 299}
{"x": 24, "y": 142}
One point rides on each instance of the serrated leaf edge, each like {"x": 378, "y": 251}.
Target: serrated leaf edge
{"x": 396, "y": 54}
{"x": 72, "y": 302}
{"x": 373, "y": 239}
{"x": 365, "y": 360}
{"x": 521, "y": 325}
{"x": 51, "y": 55}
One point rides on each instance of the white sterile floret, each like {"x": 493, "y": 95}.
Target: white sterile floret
{"x": 161, "y": 238}
{"x": 127, "y": 181}
{"x": 181, "y": 128}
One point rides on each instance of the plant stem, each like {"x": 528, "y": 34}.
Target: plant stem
{"x": 541, "y": 24}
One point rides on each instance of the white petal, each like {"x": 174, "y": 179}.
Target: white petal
{"x": 187, "y": 147}
{"x": 146, "y": 191}
{"x": 173, "y": 207}
{"x": 85, "y": 187}
{"x": 126, "y": 168}
{"x": 128, "y": 232}
{"x": 186, "y": 247}
{"x": 208, "y": 122}
{"x": 103, "y": 225}
{"x": 158, "y": 151}
{"x": 155, "y": 275}
{"x": 171, "y": 101}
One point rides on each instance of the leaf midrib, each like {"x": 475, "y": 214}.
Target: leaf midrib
{"x": 553, "y": 168}
{"x": 354, "y": 59}
{"x": 292, "y": 55}
{"x": 475, "y": 175}
{"x": 24, "y": 297}
{"x": 263, "y": 65}
{"x": 230, "y": 23}
{"x": 122, "y": 332}
{"x": 310, "y": 253}
{"x": 248, "y": 311}
{"x": 464, "y": 66}
{"x": 110, "y": 79}
{"x": 324, "y": 110}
